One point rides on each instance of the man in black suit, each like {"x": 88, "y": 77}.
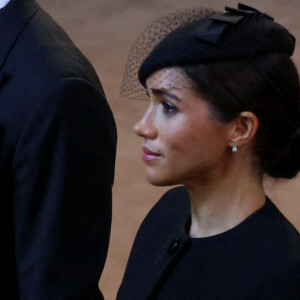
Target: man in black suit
{"x": 57, "y": 154}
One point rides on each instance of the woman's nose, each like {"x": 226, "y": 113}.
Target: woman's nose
{"x": 145, "y": 128}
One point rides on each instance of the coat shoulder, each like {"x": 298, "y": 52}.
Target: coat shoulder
{"x": 172, "y": 208}
{"x": 165, "y": 222}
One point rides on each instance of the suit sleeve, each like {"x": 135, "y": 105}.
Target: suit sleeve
{"x": 63, "y": 172}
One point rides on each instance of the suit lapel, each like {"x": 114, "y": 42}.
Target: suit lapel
{"x": 13, "y": 18}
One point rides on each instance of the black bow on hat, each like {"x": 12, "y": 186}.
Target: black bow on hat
{"x": 212, "y": 30}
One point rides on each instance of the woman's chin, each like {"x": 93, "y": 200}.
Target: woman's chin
{"x": 160, "y": 181}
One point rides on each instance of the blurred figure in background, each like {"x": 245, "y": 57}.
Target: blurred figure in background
{"x": 224, "y": 110}
{"x": 57, "y": 154}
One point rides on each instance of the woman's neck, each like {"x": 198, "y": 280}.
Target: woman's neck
{"x": 222, "y": 203}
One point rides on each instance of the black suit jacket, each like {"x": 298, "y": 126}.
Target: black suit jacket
{"x": 57, "y": 153}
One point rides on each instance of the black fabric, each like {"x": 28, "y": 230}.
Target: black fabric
{"x": 258, "y": 259}
{"x": 212, "y": 39}
{"x": 57, "y": 153}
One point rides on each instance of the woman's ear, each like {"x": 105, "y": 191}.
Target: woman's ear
{"x": 244, "y": 129}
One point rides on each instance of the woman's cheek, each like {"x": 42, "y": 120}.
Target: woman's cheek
{"x": 179, "y": 140}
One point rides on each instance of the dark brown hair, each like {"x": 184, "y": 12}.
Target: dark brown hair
{"x": 268, "y": 86}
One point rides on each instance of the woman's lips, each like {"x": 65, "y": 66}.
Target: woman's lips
{"x": 149, "y": 155}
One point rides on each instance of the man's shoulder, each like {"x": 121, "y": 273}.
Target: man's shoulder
{"x": 46, "y": 52}
{"x": 43, "y": 56}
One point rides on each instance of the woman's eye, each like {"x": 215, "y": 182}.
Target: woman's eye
{"x": 169, "y": 108}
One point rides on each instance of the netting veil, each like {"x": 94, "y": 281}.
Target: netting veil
{"x": 131, "y": 87}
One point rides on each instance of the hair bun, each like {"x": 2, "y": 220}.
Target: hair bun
{"x": 295, "y": 146}
{"x": 286, "y": 160}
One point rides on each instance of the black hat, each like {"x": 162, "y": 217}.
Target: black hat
{"x": 237, "y": 34}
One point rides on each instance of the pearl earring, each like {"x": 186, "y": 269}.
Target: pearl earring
{"x": 234, "y": 149}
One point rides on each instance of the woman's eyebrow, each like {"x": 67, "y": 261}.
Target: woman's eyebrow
{"x": 165, "y": 93}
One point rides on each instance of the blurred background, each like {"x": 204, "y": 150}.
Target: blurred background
{"x": 105, "y": 30}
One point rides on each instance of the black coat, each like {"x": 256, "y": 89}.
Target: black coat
{"x": 159, "y": 241}
{"x": 57, "y": 154}
{"x": 258, "y": 259}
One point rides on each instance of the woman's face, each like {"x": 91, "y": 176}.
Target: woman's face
{"x": 183, "y": 142}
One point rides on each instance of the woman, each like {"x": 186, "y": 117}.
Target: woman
{"x": 224, "y": 111}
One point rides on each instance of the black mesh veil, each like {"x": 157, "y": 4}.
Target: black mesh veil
{"x": 131, "y": 87}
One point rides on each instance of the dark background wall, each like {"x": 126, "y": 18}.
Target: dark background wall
{"x": 105, "y": 30}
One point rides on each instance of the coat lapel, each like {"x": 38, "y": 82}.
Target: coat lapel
{"x": 160, "y": 242}
{"x": 13, "y": 19}
{"x": 171, "y": 250}
{"x": 149, "y": 263}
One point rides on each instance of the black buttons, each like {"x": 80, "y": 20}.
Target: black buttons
{"x": 174, "y": 246}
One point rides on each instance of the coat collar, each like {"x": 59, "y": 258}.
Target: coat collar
{"x": 13, "y": 19}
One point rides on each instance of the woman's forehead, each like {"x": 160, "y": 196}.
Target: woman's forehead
{"x": 169, "y": 78}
